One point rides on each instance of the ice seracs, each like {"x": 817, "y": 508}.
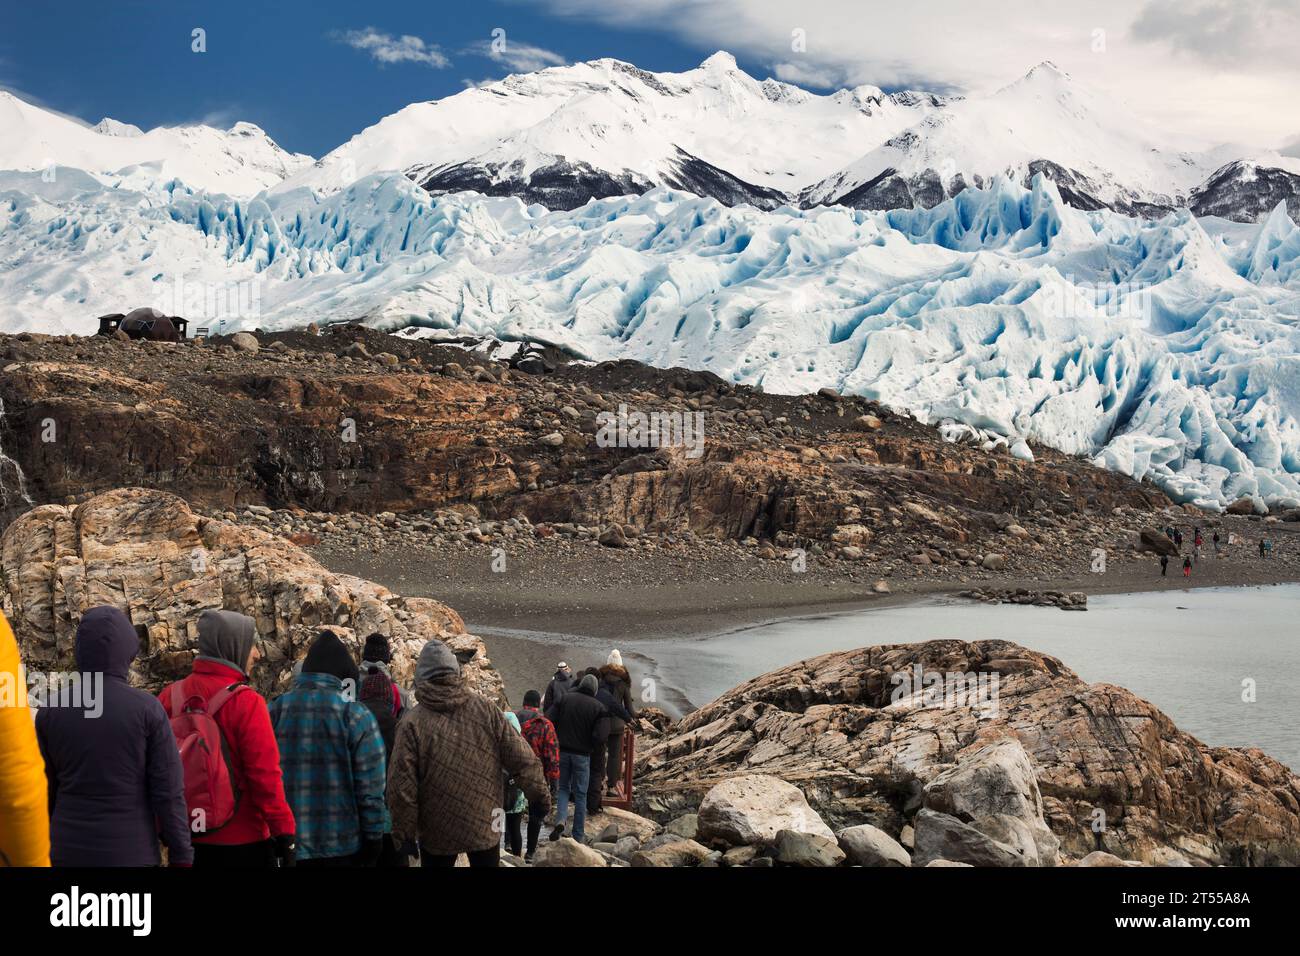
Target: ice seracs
{"x": 1157, "y": 348}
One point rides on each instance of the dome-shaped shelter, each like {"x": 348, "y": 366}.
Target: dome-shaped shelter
{"x": 146, "y": 323}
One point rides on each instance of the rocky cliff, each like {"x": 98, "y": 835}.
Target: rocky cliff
{"x": 354, "y": 420}
{"x": 1087, "y": 766}
{"x": 147, "y": 553}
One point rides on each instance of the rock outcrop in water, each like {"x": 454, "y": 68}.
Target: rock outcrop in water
{"x": 1053, "y": 770}
{"x": 147, "y": 553}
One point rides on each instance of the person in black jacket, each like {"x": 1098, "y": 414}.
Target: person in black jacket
{"x": 617, "y": 713}
{"x": 581, "y": 725}
{"x": 561, "y": 683}
{"x": 114, "y": 769}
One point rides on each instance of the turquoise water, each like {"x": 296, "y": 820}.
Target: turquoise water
{"x": 1188, "y": 652}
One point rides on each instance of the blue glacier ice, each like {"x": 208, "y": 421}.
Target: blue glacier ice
{"x": 1168, "y": 350}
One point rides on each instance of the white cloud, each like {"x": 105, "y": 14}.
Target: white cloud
{"x": 386, "y": 48}
{"x": 516, "y": 56}
{"x": 1224, "y": 71}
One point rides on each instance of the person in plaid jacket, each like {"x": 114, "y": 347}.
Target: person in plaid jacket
{"x": 332, "y": 755}
{"x": 540, "y": 734}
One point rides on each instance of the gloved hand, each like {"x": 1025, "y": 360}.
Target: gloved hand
{"x": 369, "y": 853}
{"x": 286, "y": 849}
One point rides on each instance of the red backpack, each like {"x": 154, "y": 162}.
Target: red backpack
{"x": 211, "y": 795}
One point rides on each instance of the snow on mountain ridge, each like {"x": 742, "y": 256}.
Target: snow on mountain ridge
{"x": 241, "y": 161}
{"x": 1149, "y": 346}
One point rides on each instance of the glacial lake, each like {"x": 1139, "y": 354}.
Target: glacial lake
{"x": 1188, "y": 652}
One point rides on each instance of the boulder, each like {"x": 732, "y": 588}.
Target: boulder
{"x": 1102, "y": 858}
{"x": 994, "y": 779}
{"x": 1158, "y": 542}
{"x": 993, "y": 562}
{"x": 1242, "y": 506}
{"x": 754, "y": 808}
{"x": 795, "y": 848}
{"x": 245, "y": 342}
{"x": 613, "y": 537}
{"x": 567, "y": 851}
{"x": 678, "y": 853}
{"x": 866, "y": 845}
{"x": 686, "y": 826}
{"x": 625, "y": 822}
{"x": 943, "y": 837}
{"x": 832, "y": 724}
{"x": 739, "y": 856}
{"x": 946, "y": 863}
{"x": 147, "y": 553}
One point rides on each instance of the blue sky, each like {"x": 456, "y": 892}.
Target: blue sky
{"x": 1209, "y": 71}
{"x": 283, "y": 64}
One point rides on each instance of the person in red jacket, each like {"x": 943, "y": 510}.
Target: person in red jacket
{"x": 261, "y": 833}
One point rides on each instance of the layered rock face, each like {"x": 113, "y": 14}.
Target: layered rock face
{"x": 1011, "y": 759}
{"x": 147, "y": 553}
{"x": 355, "y": 420}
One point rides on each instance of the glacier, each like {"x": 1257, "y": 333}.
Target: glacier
{"x": 1165, "y": 349}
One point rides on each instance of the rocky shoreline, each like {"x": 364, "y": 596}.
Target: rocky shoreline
{"x": 935, "y": 754}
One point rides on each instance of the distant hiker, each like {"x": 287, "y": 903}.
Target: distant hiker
{"x": 1215, "y": 539}
{"x": 333, "y": 758}
{"x": 1178, "y": 539}
{"x": 540, "y": 734}
{"x": 445, "y": 783}
{"x": 1164, "y": 564}
{"x": 377, "y": 657}
{"x": 238, "y": 813}
{"x": 1198, "y": 542}
{"x": 581, "y": 725}
{"x": 1261, "y": 548}
{"x": 615, "y": 678}
{"x": 561, "y": 683}
{"x": 1268, "y": 548}
{"x": 1187, "y": 566}
{"x": 24, "y": 793}
{"x": 114, "y": 773}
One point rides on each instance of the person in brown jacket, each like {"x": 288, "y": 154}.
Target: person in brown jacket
{"x": 449, "y": 760}
{"x": 615, "y": 678}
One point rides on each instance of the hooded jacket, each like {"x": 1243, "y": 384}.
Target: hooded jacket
{"x": 561, "y": 683}
{"x": 24, "y": 816}
{"x": 245, "y": 723}
{"x": 113, "y": 767}
{"x": 452, "y": 749}
{"x": 332, "y": 755}
{"x": 616, "y": 679}
{"x": 581, "y": 722}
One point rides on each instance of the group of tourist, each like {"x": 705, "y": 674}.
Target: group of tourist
{"x": 345, "y": 768}
{"x": 1193, "y": 556}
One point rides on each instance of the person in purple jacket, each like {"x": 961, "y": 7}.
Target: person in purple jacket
{"x": 111, "y": 759}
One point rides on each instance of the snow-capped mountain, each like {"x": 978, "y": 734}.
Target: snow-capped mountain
{"x": 240, "y": 161}
{"x": 1166, "y": 349}
{"x": 605, "y": 128}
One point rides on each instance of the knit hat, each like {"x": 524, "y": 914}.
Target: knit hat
{"x": 376, "y": 649}
{"x": 329, "y": 655}
{"x": 589, "y": 685}
{"x": 436, "y": 661}
{"x": 615, "y": 658}
{"x": 377, "y": 686}
{"x": 226, "y": 637}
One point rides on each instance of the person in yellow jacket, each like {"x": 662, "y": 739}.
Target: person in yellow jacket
{"x": 24, "y": 806}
